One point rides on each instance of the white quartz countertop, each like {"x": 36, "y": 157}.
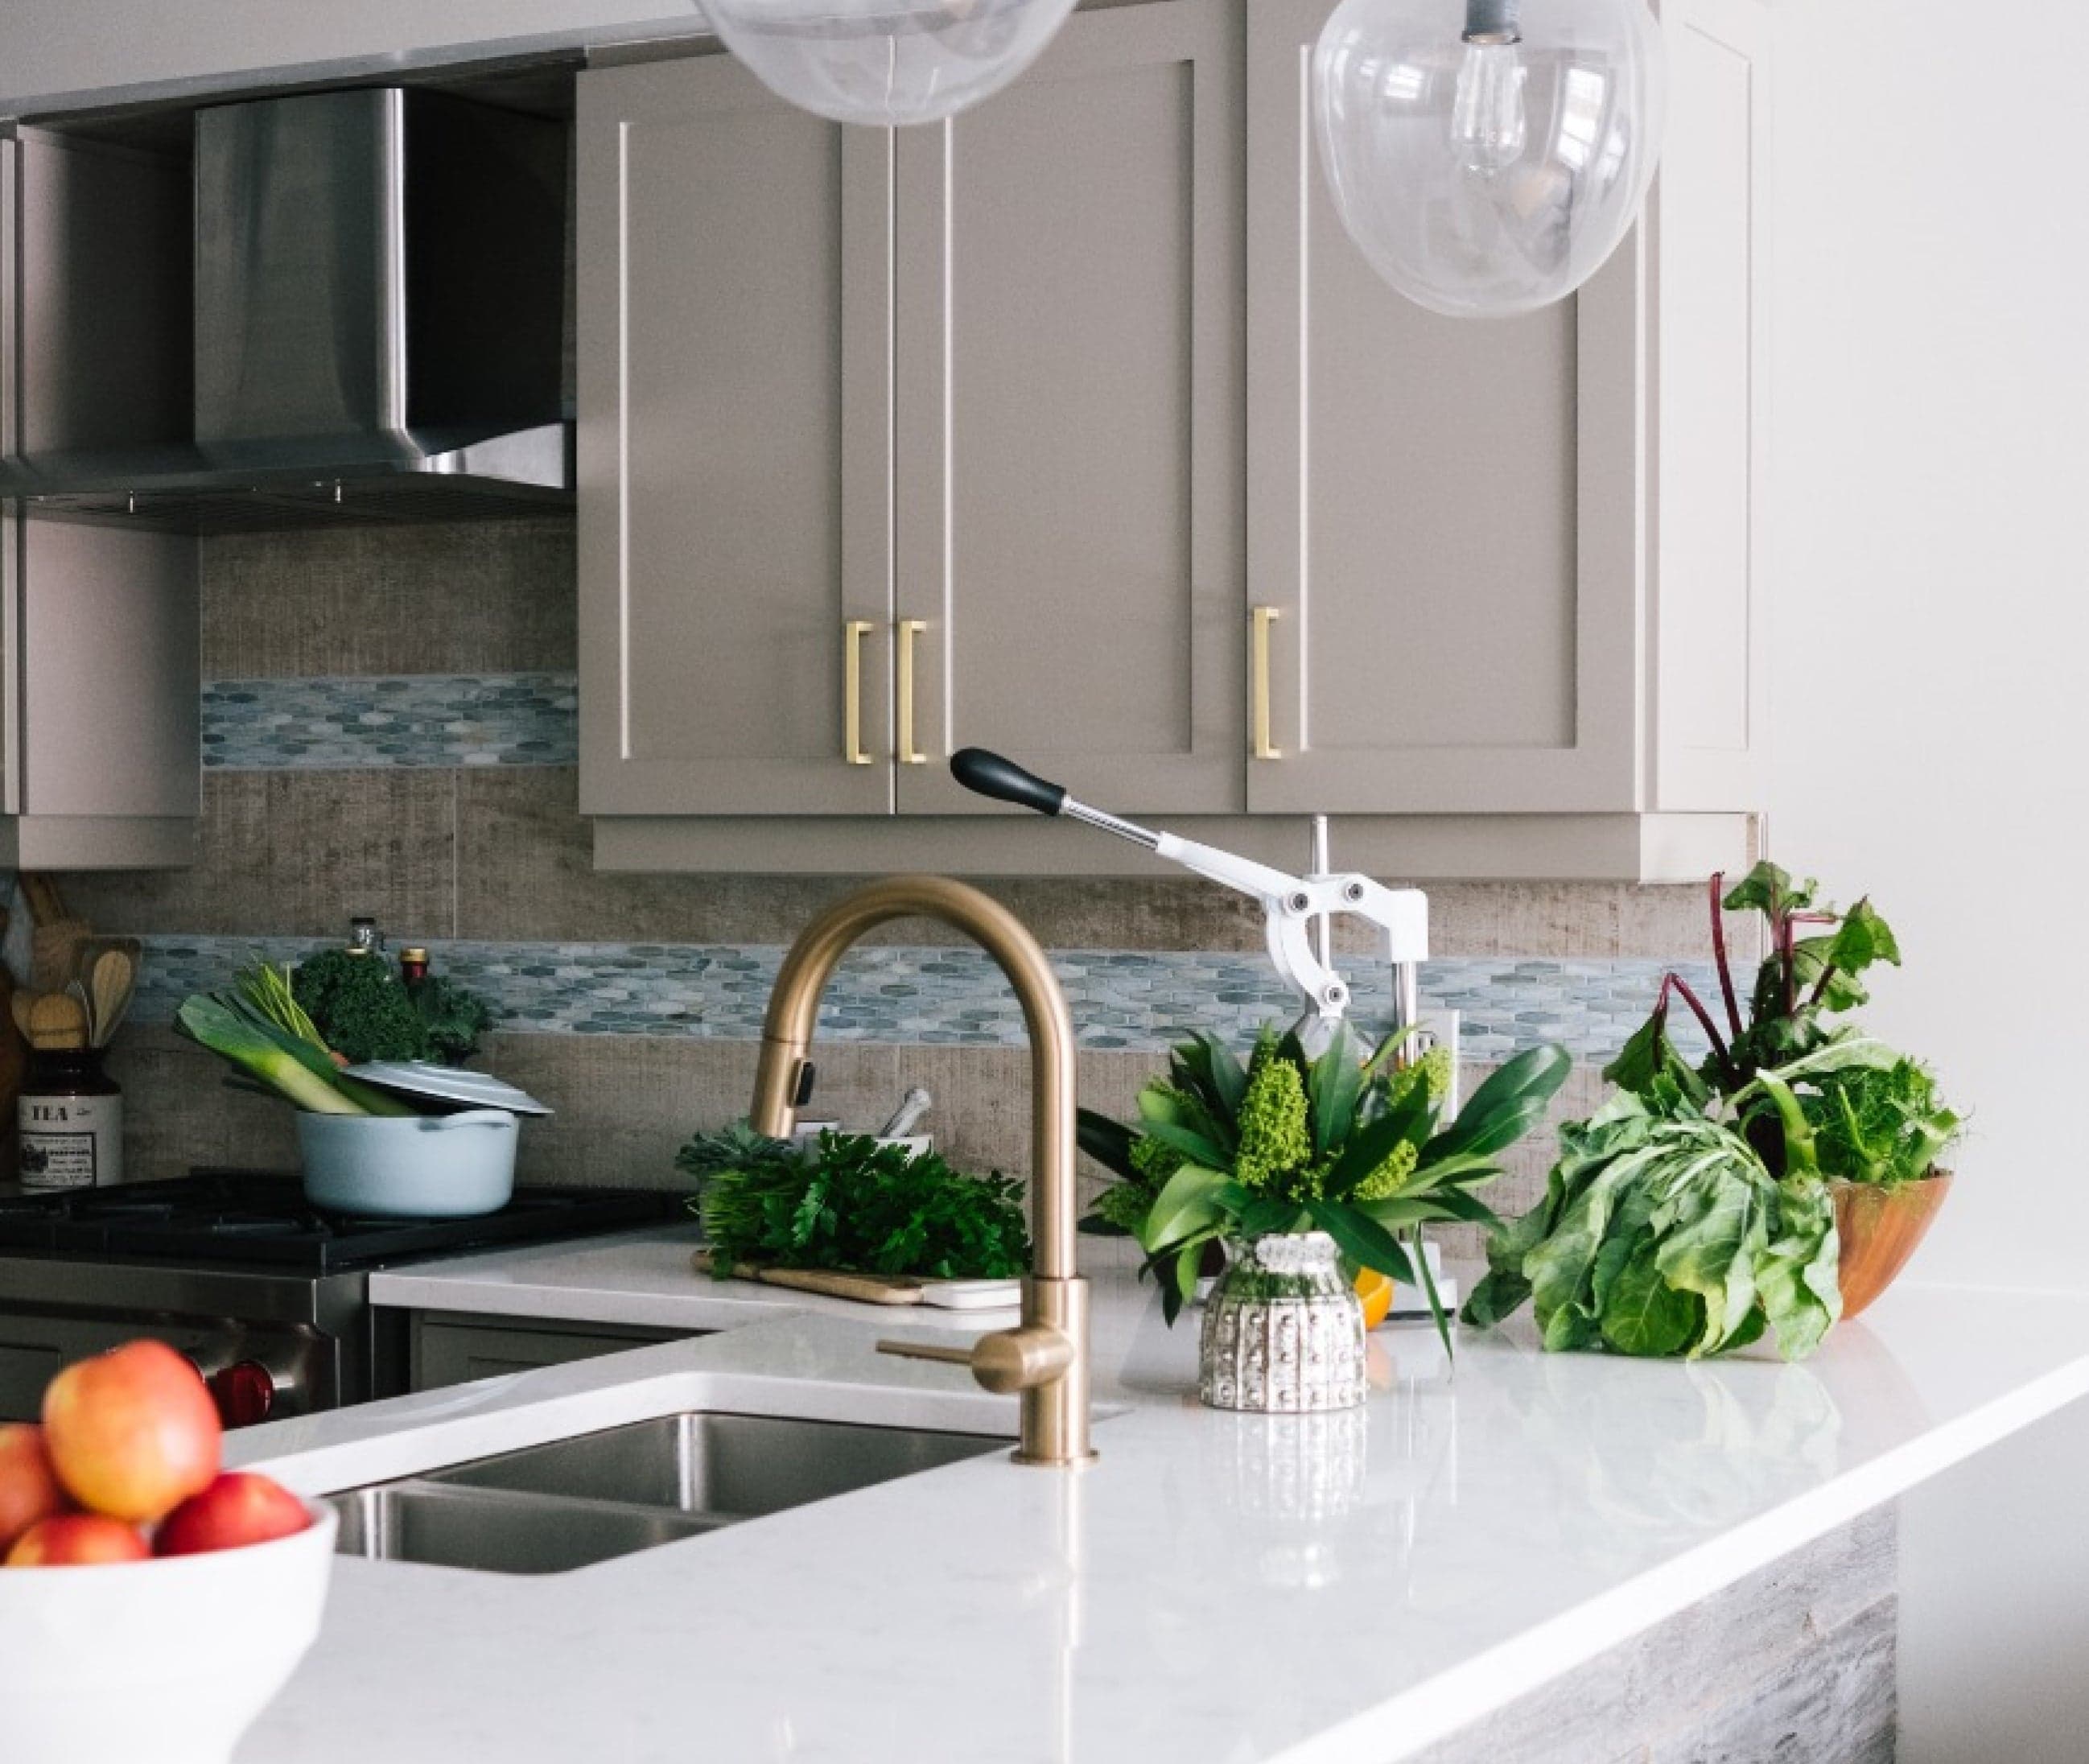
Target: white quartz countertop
{"x": 1214, "y": 1588}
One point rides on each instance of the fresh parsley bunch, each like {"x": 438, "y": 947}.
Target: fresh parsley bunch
{"x": 852, "y": 1203}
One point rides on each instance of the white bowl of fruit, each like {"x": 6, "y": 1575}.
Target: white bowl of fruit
{"x": 150, "y": 1605}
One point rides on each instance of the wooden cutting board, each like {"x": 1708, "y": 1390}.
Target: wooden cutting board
{"x": 865, "y": 1289}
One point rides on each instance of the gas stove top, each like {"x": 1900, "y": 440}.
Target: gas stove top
{"x": 261, "y": 1221}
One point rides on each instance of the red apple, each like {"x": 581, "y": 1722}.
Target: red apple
{"x": 132, "y": 1432}
{"x": 29, "y": 1485}
{"x": 75, "y": 1540}
{"x": 240, "y": 1508}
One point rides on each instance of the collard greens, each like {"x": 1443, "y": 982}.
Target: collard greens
{"x": 1663, "y": 1233}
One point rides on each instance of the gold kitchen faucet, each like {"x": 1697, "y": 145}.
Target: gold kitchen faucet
{"x": 1045, "y": 1356}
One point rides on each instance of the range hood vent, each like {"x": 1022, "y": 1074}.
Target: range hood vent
{"x": 379, "y": 315}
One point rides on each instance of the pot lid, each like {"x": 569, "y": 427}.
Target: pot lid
{"x": 448, "y": 1083}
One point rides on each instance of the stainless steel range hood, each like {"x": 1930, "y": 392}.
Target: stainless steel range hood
{"x": 379, "y": 301}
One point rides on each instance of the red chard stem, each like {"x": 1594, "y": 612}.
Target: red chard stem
{"x": 1704, "y": 1017}
{"x": 1719, "y": 951}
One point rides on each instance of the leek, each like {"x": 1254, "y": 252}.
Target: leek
{"x": 218, "y": 1024}
{"x": 267, "y": 989}
{"x": 262, "y": 999}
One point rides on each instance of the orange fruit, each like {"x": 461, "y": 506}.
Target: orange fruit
{"x": 1375, "y": 1290}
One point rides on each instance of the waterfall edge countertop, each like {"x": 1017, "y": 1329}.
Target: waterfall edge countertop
{"x": 1338, "y": 1589}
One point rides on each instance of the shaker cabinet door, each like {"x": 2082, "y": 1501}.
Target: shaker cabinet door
{"x": 734, "y": 266}
{"x": 1070, "y": 373}
{"x": 1441, "y": 513}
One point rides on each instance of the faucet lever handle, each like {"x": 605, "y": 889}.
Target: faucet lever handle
{"x": 921, "y": 1350}
{"x": 1020, "y": 1359}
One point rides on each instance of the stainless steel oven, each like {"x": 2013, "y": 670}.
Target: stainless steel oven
{"x": 269, "y": 1345}
{"x": 266, "y": 1294}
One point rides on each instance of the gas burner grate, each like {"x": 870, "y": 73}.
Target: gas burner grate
{"x": 258, "y": 1219}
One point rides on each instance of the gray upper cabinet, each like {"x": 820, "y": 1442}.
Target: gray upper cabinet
{"x": 1069, "y": 368}
{"x": 1076, "y": 428}
{"x": 101, "y": 659}
{"x": 889, "y": 446}
{"x": 1465, "y": 596}
{"x": 735, "y": 268}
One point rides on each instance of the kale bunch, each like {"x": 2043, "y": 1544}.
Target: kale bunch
{"x": 453, "y": 1018}
{"x": 359, "y": 1006}
{"x": 364, "y": 1011}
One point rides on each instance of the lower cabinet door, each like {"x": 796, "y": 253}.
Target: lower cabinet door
{"x": 458, "y": 1350}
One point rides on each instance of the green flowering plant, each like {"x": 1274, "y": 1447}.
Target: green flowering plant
{"x": 1348, "y": 1143}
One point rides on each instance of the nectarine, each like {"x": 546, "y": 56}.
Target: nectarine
{"x": 29, "y": 1485}
{"x": 132, "y": 1433}
{"x": 240, "y": 1508}
{"x": 78, "y": 1540}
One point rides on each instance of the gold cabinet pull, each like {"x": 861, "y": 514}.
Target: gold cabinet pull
{"x": 1264, "y": 749}
{"x": 909, "y": 629}
{"x": 853, "y": 633}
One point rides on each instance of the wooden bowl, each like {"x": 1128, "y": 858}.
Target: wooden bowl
{"x": 1879, "y": 1229}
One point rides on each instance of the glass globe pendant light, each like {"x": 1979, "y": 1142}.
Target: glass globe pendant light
{"x": 1488, "y": 156}
{"x": 882, "y": 62}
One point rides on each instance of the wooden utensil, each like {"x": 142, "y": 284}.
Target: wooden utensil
{"x": 76, "y": 990}
{"x": 46, "y": 905}
{"x": 58, "y": 1020}
{"x": 110, "y": 984}
{"x": 54, "y": 953}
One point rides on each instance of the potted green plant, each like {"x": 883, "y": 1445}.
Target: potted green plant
{"x": 1294, "y": 1162}
{"x": 1777, "y": 1184}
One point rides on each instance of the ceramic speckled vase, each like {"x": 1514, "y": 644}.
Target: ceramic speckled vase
{"x": 1284, "y": 1331}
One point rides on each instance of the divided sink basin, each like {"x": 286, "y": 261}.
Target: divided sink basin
{"x": 548, "y": 1508}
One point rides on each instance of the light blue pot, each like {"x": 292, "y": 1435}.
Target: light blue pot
{"x": 425, "y": 1167}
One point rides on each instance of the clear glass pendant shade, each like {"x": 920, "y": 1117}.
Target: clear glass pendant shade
{"x": 1488, "y": 163}
{"x": 883, "y": 62}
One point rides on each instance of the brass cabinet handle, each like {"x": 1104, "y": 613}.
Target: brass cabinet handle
{"x": 1264, "y": 749}
{"x": 853, "y": 633}
{"x": 908, "y": 629}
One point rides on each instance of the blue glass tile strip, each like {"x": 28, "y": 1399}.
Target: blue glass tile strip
{"x": 353, "y": 723}
{"x": 1138, "y": 1002}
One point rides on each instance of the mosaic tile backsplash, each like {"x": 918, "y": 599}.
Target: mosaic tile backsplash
{"x": 929, "y": 996}
{"x": 347, "y": 724}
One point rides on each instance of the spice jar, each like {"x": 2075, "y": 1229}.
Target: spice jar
{"x": 69, "y": 1120}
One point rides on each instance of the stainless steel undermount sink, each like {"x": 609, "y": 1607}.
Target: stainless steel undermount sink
{"x": 548, "y": 1508}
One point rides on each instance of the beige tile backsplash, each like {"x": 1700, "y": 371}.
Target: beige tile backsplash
{"x": 501, "y": 853}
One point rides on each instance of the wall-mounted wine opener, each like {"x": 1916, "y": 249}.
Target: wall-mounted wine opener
{"x": 1297, "y": 910}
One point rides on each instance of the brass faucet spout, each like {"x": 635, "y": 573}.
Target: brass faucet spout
{"x": 1046, "y": 1358}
